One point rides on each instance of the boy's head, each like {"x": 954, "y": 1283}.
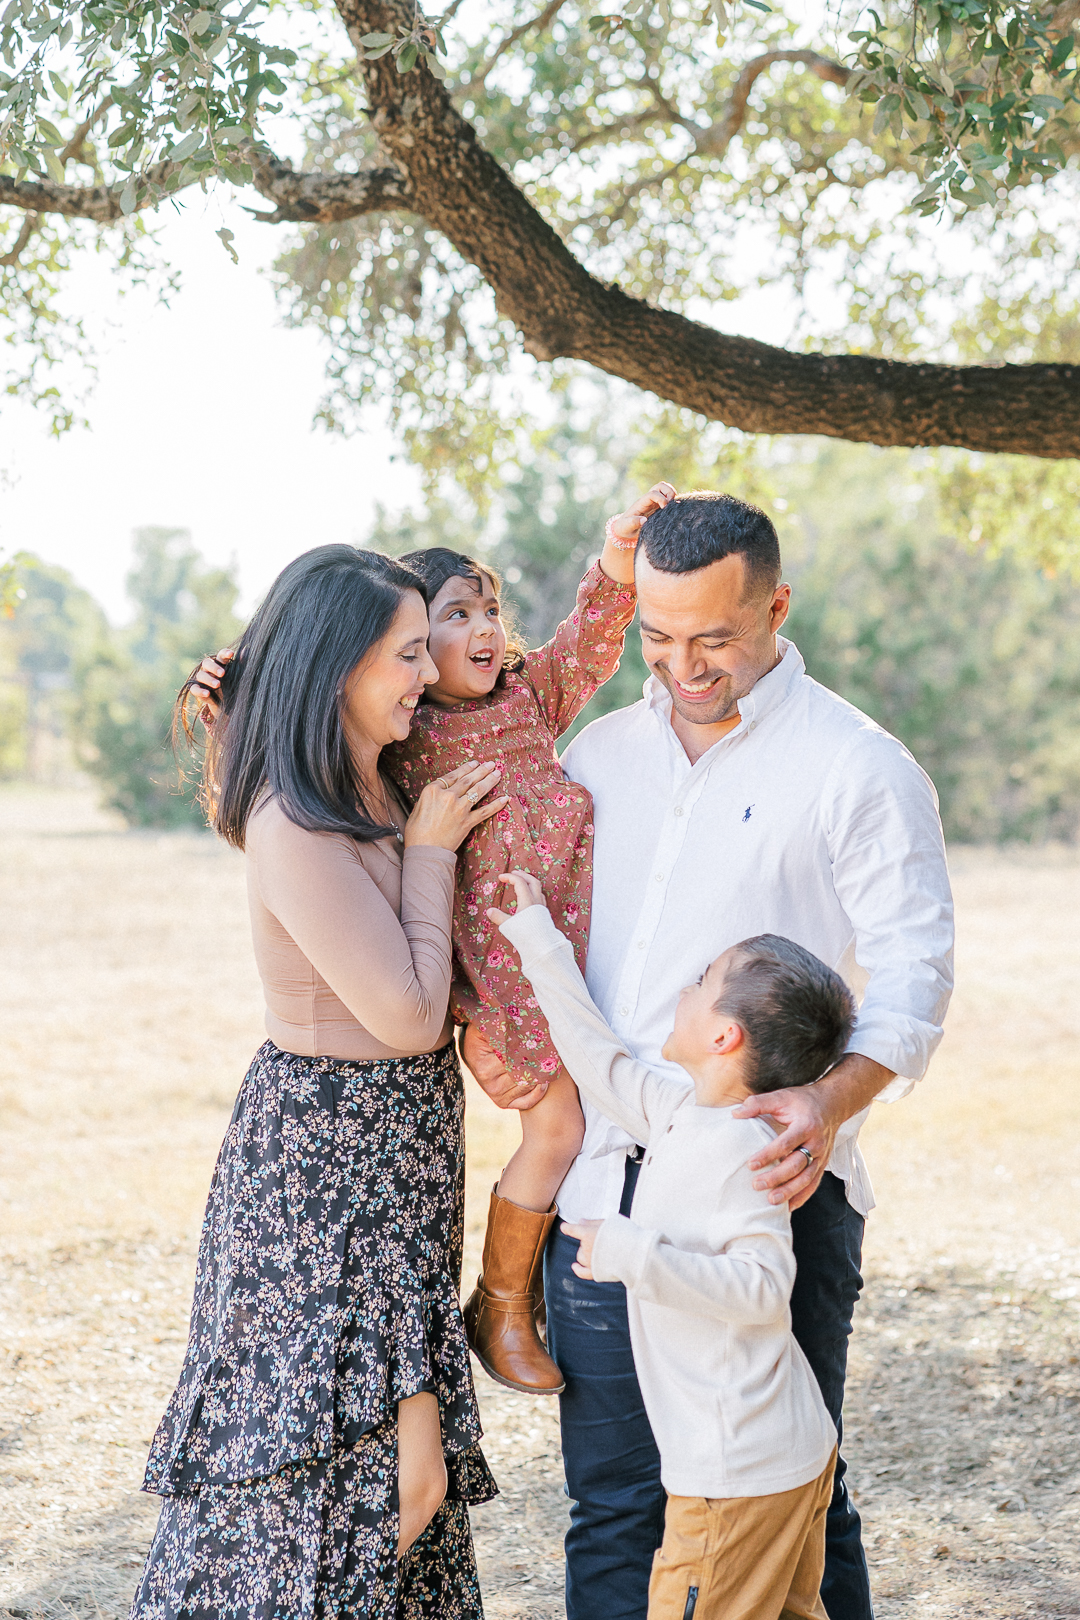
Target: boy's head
{"x": 769, "y": 1007}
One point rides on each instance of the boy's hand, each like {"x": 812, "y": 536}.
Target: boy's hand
{"x": 205, "y": 689}
{"x": 585, "y": 1232}
{"x": 527, "y": 892}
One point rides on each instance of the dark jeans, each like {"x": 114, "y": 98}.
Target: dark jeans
{"x": 609, "y": 1454}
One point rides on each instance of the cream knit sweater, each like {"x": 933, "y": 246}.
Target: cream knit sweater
{"x": 707, "y": 1261}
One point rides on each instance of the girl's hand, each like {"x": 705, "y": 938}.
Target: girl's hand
{"x": 205, "y": 688}
{"x": 447, "y": 810}
{"x": 585, "y": 1232}
{"x": 527, "y": 891}
{"x": 621, "y": 534}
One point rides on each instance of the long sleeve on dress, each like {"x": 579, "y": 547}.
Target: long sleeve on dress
{"x": 392, "y": 976}
{"x": 584, "y": 652}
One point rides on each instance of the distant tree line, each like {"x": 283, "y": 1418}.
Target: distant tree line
{"x": 972, "y": 660}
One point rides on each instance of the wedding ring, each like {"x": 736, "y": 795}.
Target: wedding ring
{"x": 809, "y": 1156}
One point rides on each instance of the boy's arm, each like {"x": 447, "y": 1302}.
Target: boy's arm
{"x": 748, "y": 1282}
{"x": 621, "y": 1087}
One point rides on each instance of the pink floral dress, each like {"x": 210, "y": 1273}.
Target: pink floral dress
{"x": 547, "y": 827}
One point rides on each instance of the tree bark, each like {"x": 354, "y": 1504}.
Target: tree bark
{"x": 435, "y": 167}
{"x": 563, "y": 311}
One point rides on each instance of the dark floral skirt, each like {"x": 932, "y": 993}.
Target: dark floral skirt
{"x": 326, "y": 1292}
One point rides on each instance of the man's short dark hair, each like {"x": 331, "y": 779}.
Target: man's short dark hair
{"x": 695, "y": 530}
{"x": 796, "y": 1013}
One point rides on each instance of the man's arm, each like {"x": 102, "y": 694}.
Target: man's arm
{"x": 811, "y": 1116}
{"x": 887, "y": 855}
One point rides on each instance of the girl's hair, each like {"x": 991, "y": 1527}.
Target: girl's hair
{"x": 437, "y": 564}
{"x": 281, "y": 723}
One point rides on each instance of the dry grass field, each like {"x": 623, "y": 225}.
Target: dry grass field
{"x": 130, "y": 1009}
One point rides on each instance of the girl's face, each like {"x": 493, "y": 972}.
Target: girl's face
{"x": 466, "y": 640}
{"x": 382, "y": 692}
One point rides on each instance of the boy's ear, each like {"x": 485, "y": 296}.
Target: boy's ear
{"x": 729, "y": 1037}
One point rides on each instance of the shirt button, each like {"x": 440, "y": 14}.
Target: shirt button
{"x": 625, "y": 1011}
{"x": 659, "y": 877}
{"x": 751, "y": 726}
{"x": 641, "y": 944}
{"x": 678, "y": 809}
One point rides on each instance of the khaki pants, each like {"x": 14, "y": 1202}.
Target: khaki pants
{"x": 743, "y": 1557}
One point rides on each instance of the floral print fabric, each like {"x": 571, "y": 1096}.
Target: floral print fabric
{"x": 545, "y": 829}
{"x": 326, "y": 1292}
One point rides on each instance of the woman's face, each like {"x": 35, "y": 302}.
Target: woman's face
{"x": 383, "y": 690}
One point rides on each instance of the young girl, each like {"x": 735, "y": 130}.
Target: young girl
{"x": 494, "y": 701}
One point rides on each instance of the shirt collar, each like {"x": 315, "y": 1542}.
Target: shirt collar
{"x": 769, "y": 692}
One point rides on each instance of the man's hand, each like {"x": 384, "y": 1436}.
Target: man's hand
{"x": 492, "y": 1076}
{"x": 527, "y": 892}
{"x": 585, "y": 1232}
{"x": 810, "y": 1117}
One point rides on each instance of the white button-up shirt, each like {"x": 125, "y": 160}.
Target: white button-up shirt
{"x": 805, "y": 820}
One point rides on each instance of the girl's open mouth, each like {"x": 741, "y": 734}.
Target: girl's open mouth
{"x": 482, "y": 660}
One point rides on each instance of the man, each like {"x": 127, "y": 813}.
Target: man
{"x": 737, "y": 798}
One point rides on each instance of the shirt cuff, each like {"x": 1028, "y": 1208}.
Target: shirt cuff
{"x": 533, "y": 934}
{"x": 443, "y": 857}
{"x": 621, "y": 1251}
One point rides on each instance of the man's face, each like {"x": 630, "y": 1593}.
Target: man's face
{"x": 704, "y": 639}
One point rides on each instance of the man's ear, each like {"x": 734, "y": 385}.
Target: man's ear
{"x": 778, "y": 608}
{"x": 728, "y": 1038}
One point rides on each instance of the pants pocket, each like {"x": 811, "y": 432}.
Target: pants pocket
{"x": 679, "y": 1563}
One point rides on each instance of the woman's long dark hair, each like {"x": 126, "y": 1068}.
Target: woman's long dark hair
{"x": 435, "y": 565}
{"x": 281, "y": 724}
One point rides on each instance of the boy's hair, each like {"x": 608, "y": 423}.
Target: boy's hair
{"x": 703, "y": 527}
{"x": 436, "y": 564}
{"x": 796, "y": 1013}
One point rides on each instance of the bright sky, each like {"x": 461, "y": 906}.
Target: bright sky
{"x": 202, "y": 419}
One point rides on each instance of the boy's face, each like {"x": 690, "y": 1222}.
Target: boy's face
{"x": 696, "y": 1024}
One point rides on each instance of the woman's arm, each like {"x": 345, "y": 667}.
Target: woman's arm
{"x": 393, "y": 976}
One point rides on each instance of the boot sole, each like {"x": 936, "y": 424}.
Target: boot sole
{"x": 520, "y": 1389}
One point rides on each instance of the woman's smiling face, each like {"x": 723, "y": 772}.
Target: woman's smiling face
{"x": 466, "y": 640}
{"x": 382, "y": 692}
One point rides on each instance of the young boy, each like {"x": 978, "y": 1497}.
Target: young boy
{"x": 747, "y": 1447}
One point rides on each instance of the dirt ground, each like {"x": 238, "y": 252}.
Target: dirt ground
{"x": 130, "y": 1009}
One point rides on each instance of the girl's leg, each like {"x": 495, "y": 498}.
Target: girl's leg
{"x": 551, "y": 1135}
{"x": 421, "y": 1467}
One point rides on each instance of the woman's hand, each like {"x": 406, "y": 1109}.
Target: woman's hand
{"x": 621, "y": 533}
{"x": 447, "y": 810}
{"x": 527, "y": 892}
{"x": 206, "y": 688}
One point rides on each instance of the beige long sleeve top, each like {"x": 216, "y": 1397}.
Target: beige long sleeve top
{"x": 707, "y": 1262}
{"x": 352, "y": 940}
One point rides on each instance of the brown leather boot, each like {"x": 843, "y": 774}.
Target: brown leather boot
{"x": 499, "y": 1321}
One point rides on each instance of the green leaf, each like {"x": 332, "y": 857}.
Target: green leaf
{"x": 184, "y": 148}
{"x": 984, "y": 188}
{"x": 373, "y": 56}
{"x": 225, "y": 237}
{"x": 434, "y": 66}
{"x": 758, "y": 5}
{"x": 407, "y": 59}
{"x": 200, "y": 22}
{"x": 373, "y": 41}
{"x": 49, "y": 133}
{"x": 1062, "y": 52}
{"x": 128, "y": 198}
{"x": 1045, "y": 105}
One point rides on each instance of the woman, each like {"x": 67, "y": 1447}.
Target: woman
{"x": 321, "y": 1446}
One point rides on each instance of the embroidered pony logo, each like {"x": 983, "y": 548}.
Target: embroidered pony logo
{"x": 746, "y": 812}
